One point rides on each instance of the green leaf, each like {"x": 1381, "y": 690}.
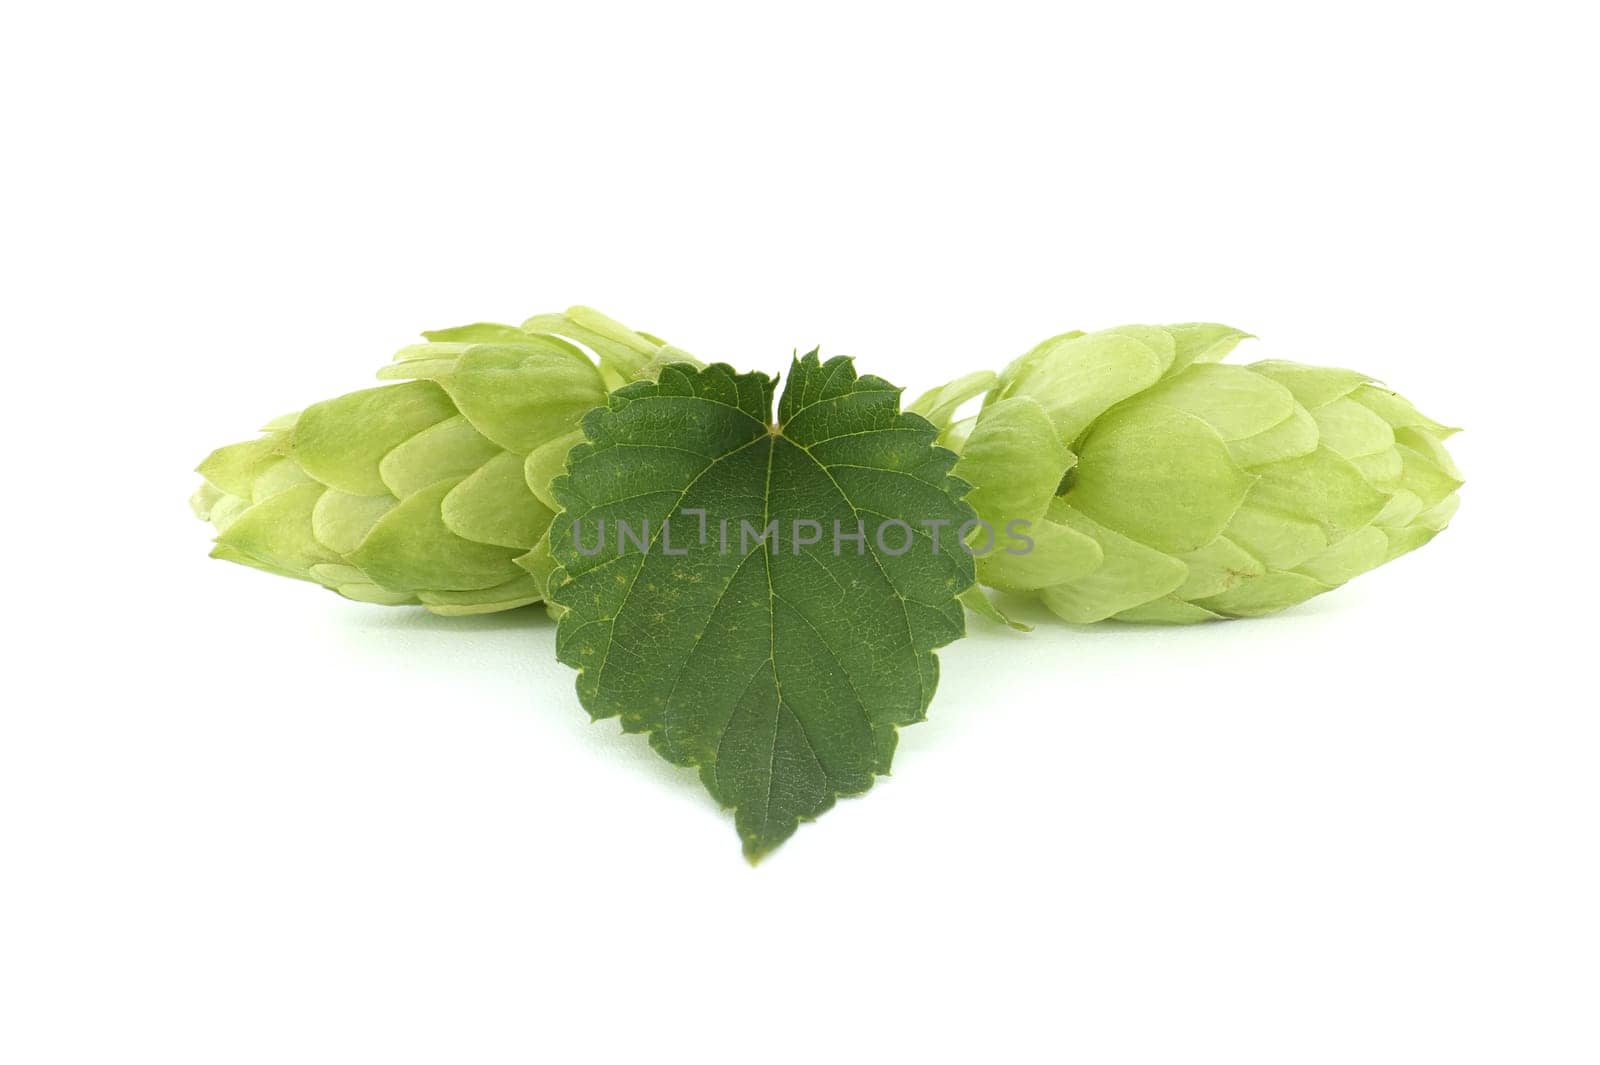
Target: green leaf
{"x": 1279, "y": 540}
{"x": 1158, "y": 475}
{"x": 277, "y": 532}
{"x": 410, "y": 548}
{"x": 1354, "y": 431}
{"x": 623, "y": 352}
{"x": 1014, "y": 452}
{"x": 1264, "y": 595}
{"x": 1313, "y": 386}
{"x": 1203, "y": 342}
{"x": 1216, "y": 567}
{"x": 477, "y": 333}
{"x": 977, "y": 600}
{"x": 1168, "y": 610}
{"x": 522, "y": 395}
{"x": 547, "y": 462}
{"x": 341, "y": 441}
{"x": 340, "y": 521}
{"x": 1130, "y": 575}
{"x": 780, "y": 670}
{"x": 1051, "y": 554}
{"x": 493, "y": 506}
{"x": 1236, "y": 403}
{"x": 1078, "y": 377}
{"x": 1397, "y": 410}
{"x": 234, "y": 468}
{"x": 1295, "y": 435}
{"x": 1350, "y": 557}
{"x": 939, "y": 405}
{"x": 277, "y": 477}
{"x": 1324, "y": 487}
{"x": 449, "y": 450}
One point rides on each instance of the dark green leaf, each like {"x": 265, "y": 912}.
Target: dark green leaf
{"x": 780, "y": 670}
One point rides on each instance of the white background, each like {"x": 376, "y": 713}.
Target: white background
{"x": 242, "y": 820}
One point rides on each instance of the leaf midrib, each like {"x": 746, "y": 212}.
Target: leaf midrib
{"x": 771, "y": 433}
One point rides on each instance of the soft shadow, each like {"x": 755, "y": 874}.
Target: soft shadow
{"x": 1030, "y": 611}
{"x": 998, "y": 671}
{"x": 416, "y": 619}
{"x": 632, "y": 749}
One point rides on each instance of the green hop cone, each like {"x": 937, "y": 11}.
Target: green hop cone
{"x": 1157, "y": 485}
{"x": 435, "y": 489}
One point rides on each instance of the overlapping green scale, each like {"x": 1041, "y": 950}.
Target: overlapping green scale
{"x": 432, "y": 490}
{"x": 1156, "y": 482}
{"x": 1160, "y": 485}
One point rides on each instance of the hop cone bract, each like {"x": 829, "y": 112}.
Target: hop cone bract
{"x": 433, "y": 490}
{"x": 1158, "y": 485}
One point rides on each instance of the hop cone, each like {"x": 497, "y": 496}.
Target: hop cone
{"x": 1160, "y": 486}
{"x": 434, "y": 490}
